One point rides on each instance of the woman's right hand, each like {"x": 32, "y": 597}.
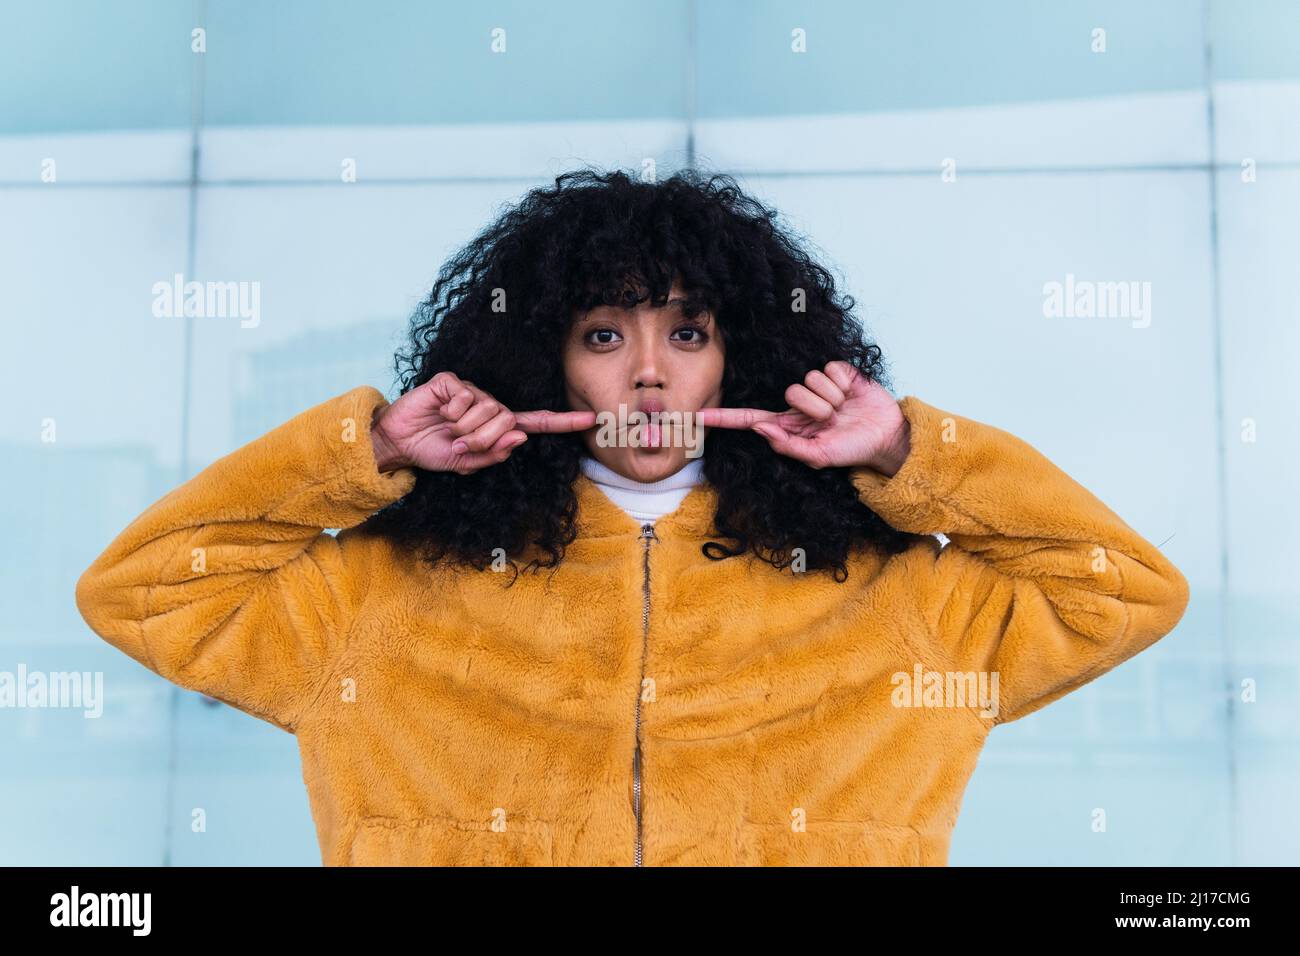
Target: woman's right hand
{"x": 449, "y": 424}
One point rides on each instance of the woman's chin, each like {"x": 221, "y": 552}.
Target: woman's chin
{"x": 651, "y": 463}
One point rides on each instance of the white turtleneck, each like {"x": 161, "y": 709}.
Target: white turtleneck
{"x": 646, "y": 501}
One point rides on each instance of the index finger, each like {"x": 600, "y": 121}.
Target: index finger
{"x": 545, "y": 421}
{"x": 733, "y": 417}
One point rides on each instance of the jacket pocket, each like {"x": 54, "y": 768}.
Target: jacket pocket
{"x": 448, "y": 841}
{"x": 828, "y": 843}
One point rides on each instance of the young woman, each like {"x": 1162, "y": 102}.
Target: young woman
{"x": 541, "y": 639}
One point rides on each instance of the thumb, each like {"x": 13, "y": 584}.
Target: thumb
{"x": 792, "y": 446}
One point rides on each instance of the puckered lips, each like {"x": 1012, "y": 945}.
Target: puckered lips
{"x": 653, "y": 437}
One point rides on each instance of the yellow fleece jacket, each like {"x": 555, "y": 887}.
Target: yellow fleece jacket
{"x": 641, "y": 704}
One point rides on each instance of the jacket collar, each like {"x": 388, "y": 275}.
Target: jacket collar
{"x": 599, "y": 517}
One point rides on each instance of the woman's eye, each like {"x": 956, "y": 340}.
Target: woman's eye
{"x": 699, "y": 336}
{"x": 604, "y": 336}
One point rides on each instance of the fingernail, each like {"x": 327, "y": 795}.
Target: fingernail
{"x": 459, "y": 447}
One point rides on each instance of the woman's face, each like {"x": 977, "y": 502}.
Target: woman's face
{"x": 646, "y": 358}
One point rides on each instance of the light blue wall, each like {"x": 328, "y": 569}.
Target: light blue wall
{"x": 937, "y": 53}
{"x": 1104, "y": 166}
{"x": 83, "y": 64}
{"x": 86, "y": 65}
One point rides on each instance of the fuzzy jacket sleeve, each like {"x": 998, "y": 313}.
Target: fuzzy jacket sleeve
{"x": 1040, "y": 581}
{"x": 229, "y": 584}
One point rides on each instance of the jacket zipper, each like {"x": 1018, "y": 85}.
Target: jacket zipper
{"x": 647, "y": 533}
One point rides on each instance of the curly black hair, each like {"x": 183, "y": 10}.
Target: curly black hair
{"x": 609, "y": 239}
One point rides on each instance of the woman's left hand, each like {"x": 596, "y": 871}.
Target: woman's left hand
{"x": 838, "y": 418}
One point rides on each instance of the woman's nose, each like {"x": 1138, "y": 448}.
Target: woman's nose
{"x": 648, "y": 365}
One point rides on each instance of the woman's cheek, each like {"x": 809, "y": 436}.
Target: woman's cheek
{"x": 589, "y": 392}
{"x": 582, "y": 400}
{"x": 576, "y": 389}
